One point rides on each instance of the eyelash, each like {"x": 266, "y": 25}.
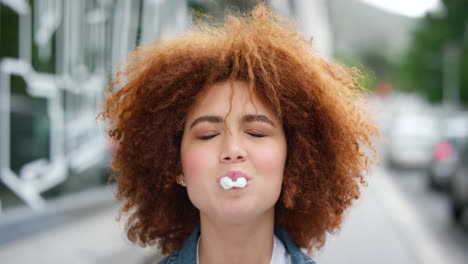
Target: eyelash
{"x": 207, "y": 137}
{"x": 257, "y": 135}
{"x": 212, "y": 136}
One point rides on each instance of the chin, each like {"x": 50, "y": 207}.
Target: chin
{"x": 241, "y": 215}
{"x": 236, "y": 219}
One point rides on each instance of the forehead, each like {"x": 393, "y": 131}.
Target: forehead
{"x": 226, "y": 96}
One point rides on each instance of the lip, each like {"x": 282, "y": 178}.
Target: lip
{"x": 234, "y": 175}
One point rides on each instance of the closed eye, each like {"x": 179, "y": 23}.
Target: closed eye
{"x": 256, "y": 134}
{"x": 207, "y": 137}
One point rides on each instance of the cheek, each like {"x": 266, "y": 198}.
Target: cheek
{"x": 195, "y": 161}
{"x": 273, "y": 155}
{"x": 271, "y": 160}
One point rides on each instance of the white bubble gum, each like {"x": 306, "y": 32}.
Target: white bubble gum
{"x": 227, "y": 183}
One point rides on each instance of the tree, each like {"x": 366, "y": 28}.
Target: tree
{"x": 424, "y": 69}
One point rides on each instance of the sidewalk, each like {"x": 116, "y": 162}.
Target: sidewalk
{"x": 384, "y": 227}
{"x": 369, "y": 233}
{"x": 95, "y": 237}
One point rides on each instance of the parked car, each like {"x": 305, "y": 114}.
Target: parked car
{"x": 412, "y": 137}
{"x": 459, "y": 186}
{"x": 454, "y": 134}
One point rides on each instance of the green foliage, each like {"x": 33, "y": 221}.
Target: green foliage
{"x": 423, "y": 69}
{"x": 367, "y": 66}
{"x": 197, "y": 6}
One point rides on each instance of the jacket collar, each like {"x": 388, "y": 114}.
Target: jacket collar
{"x": 188, "y": 252}
{"x": 297, "y": 256}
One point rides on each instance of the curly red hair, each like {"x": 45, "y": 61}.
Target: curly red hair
{"x": 321, "y": 104}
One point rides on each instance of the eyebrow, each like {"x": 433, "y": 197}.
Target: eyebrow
{"x": 257, "y": 118}
{"x": 245, "y": 119}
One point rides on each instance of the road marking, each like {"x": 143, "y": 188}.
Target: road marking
{"x": 420, "y": 237}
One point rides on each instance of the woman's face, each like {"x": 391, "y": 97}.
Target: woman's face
{"x": 253, "y": 145}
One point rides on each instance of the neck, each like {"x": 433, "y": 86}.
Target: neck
{"x": 236, "y": 243}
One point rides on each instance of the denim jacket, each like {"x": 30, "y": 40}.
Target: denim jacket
{"x": 188, "y": 253}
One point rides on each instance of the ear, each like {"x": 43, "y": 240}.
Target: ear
{"x": 181, "y": 180}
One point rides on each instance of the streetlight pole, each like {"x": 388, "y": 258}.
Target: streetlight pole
{"x": 451, "y": 83}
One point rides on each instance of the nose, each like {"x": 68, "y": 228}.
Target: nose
{"x": 232, "y": 150}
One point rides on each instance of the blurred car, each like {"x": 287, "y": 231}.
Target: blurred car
{"x": 444, "y": 160}
{"x": 459, "y": 186}
{"x": 412, "y": 137}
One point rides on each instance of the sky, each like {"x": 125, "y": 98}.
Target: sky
{"x": 412, "y": 8}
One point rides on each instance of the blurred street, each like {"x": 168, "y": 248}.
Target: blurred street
{"x": 395, "y": 221}
{"x": 87, "y": 234}
{"x": 434, "y": 208}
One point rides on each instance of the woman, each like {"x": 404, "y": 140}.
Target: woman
{"x": 237, "y": 144}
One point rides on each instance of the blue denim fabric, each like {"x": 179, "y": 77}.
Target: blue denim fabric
{"x": 188, "y": 253}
